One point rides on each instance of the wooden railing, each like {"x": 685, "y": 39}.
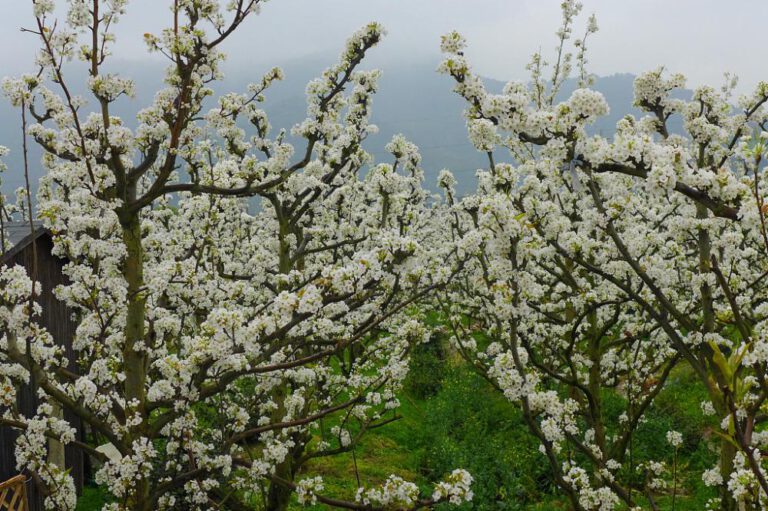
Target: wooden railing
{"x": 13, "y": 494}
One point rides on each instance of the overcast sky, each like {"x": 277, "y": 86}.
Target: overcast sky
{"x": 701, "y": 38}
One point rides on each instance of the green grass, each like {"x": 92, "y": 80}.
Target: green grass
{"x": 462, "y": 422}
{"x": 457, "y": 422}
{"x": 452, "y": 418}
{"x": 92, "y": 499}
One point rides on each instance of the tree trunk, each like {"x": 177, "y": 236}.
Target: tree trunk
{"x": 55, "y": 447}
{"x": 135, "y": 360}
{"x": 278, "y": 496}
{"x": 727, "y": 455}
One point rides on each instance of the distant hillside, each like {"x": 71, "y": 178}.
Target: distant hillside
{"x": 413, "y": 99}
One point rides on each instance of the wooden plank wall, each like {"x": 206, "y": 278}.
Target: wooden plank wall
{"x": 57, "y": 318}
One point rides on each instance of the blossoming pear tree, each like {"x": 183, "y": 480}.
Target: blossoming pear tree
{"x": 601, "y": 263}
{"x": 220, "y": 347}
{"x": 531, "y": 322}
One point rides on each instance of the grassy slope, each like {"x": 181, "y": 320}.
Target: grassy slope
{"x": 452, "y": 418}
{"x": 466, "y": 424}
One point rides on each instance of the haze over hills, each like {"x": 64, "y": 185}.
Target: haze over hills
{"x": 413, "y": 99}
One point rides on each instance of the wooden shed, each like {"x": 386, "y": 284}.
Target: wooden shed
{"x": 25, "y": 240}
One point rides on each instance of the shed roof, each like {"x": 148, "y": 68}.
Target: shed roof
{"x": 17, "y": 231}
{"x": 20, "y": 235}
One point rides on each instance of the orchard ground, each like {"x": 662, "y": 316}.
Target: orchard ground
{"x": 453, "y": 417}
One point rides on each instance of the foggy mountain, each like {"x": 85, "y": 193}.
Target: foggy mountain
{"x": 413, "y": 99}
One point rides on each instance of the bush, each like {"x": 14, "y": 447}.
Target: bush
{"x": 468, "y": 424}
{"x": 427, "y": 369}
